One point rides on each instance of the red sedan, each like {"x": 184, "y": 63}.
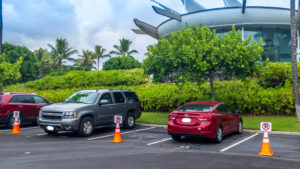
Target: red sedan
{"x": 204, "y": 119}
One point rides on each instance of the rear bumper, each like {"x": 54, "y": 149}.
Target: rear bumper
{"x": 62, "y": 125}
{"x": 187, "y": 134}
{"x": 206, "y": 129}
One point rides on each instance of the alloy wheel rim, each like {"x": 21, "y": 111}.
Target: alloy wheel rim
{"x": 240, "y": 127}
{"x": 87, "y": 127}
{"x": 219, "y": 134}
{"x": 130, "y": 121}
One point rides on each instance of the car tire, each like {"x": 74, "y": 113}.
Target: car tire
{"x": 50, "y": 132}
{"x": 11, "y": 120}
{"x": 129, "y": 121}
{"x": 240, "y": 127}
{"x": 219, "y": 135}
{"x": 176, "y": 137}
{"x": 86, "y": 127}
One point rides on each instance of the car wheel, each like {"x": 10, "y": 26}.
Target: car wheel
{"x": 240, "y": 127}
{"x": 86, "y": 127}
{"x": 129, "y": 122}
{"x": 50, "y": 132}
{"x": 11, "y": 121}
{"x": 219, "y": 135}
{"x": 176, "y": 137}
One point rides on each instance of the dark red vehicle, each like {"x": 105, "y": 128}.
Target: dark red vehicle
{"x": 28, "y": 104}
{"x": 204, "y": 119}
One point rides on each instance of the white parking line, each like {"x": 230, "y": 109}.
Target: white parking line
{"x": 233, "y": 145}
{"x": 95, "y": 138}
{"x": 149, "y": 144}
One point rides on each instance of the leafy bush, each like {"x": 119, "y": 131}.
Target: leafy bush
{"x": 248, "y": 97}
{"x": 121, "y": 62}
{"x": 276, "y": 74}
{"x": 77, "y": 79}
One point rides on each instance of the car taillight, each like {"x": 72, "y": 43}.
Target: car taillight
{"x": 172, "y": 116}
{"x": 207, "y": 118}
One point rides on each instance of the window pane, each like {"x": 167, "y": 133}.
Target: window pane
{"x": 119, "y": 97}
{"x": 39, "y": 100}
{"x": 88, "y": 98}
{"x": 195, "y": 108}
{"x": 22, "y": 99}
{"x": 106, "y": 96}
{"x": 132, "y": 97}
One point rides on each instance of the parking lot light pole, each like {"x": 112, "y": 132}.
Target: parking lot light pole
{"x": 294, "y": 61}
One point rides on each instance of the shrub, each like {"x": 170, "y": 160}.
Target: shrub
{"x": 77, "y": 79}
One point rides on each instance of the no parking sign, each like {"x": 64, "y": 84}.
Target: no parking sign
{"x": 118, "y": 118}
{"x": 266, "y": 126}
{"x": 16, "y": 114}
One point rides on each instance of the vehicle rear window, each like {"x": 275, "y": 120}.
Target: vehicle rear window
{"x": 195, "y": 108}
{"x": 132, "y": 97}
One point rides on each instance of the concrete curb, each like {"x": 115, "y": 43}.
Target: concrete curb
{"x": 245, "y": 130}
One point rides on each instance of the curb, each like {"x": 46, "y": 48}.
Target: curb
{"x": 245, "y": 130}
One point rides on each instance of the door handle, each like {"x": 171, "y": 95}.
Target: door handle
{"x": 20, "y": 106}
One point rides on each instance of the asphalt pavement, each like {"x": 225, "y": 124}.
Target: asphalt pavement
{"x": 145, "y": 147}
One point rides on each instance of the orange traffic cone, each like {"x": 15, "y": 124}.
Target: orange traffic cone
{"x": 266, "y": 148}
{"x": 117, "y": 137}
{"x": 16, "y": 128}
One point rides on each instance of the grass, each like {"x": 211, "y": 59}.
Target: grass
{"x": 250, "y": 122}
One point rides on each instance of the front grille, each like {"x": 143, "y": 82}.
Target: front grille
{"x": 52, "y": 115}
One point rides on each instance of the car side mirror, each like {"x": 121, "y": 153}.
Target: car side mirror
{"x": 236, "y": 111}
{"x": 103, "y": 102}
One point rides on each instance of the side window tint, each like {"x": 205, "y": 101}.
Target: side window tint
{"x": 22, "y": 99}
{"x": 119, "y": 97}
{"x": 132, "y": 97}
{"x": 228, "y": 109}
{"x": 221, "y": 109}
{"x": 40, "y": 100}
{"x": 106, "y": 96}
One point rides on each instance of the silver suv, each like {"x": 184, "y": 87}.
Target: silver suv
{"x": 89, "y": 109}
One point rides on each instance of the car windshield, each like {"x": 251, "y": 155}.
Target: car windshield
{"x": 195, "y": 108}
{"x": 87, "y": 98}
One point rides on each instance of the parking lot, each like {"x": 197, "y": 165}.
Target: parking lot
{"x": 145, "y": 147}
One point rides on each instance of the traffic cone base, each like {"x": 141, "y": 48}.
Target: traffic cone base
{"x": 117, "y": 137}
{"x": 266, "y": 148}
{"x": 16, "y": 128}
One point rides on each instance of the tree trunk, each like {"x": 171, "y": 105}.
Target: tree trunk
{"x": 211, "y": 81}
{"x": 294, "y": 61}
{"x": 98, "y": 64}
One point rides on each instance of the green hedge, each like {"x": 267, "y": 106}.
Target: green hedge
{"x": 248, "y": 97}
{"x": 75, "y": 79}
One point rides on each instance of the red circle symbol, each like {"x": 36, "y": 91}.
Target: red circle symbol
{"x": 266, "y": 126}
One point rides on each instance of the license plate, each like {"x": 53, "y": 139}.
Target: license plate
{"x": 186, "y": 120}
{"x": 50, "y": 128}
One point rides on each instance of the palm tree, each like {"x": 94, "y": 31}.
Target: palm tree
{"x": 86, "y": 60}
{"x": 1, "y": 27}
{"x": 123, "y": 49}
{"x": 294, "y": 60}
{"x": 45, "y": 61}
{"x": 99, "y": 53}
{"x": 62, "y": 51}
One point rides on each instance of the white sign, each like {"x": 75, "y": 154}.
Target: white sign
{"x": 118, "y": 118}
{"x": 266, "y": 126}
{"x": 16, "y": 114}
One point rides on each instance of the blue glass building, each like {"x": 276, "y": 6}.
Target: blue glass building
{"x": 271, "y": 24}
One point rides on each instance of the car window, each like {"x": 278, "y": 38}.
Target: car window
{"x": 22, "y": 99}
{"x": 106, "y": 96}
{"x": 119, "y": 97}
{"x": 0, "y": 98}
{"x": 80, "y": 97}
{"x": 195, "y": 108}
{"x": 40, "y": 100}
{"x": 227, "y": 109}
{"x": 221, "y": 108}
{"x": 131, "y": 96}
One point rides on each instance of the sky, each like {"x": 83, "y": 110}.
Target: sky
{"x": 86, "y": 23}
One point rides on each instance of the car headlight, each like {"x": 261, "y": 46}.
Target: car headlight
{"x": 69, "y": 115}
